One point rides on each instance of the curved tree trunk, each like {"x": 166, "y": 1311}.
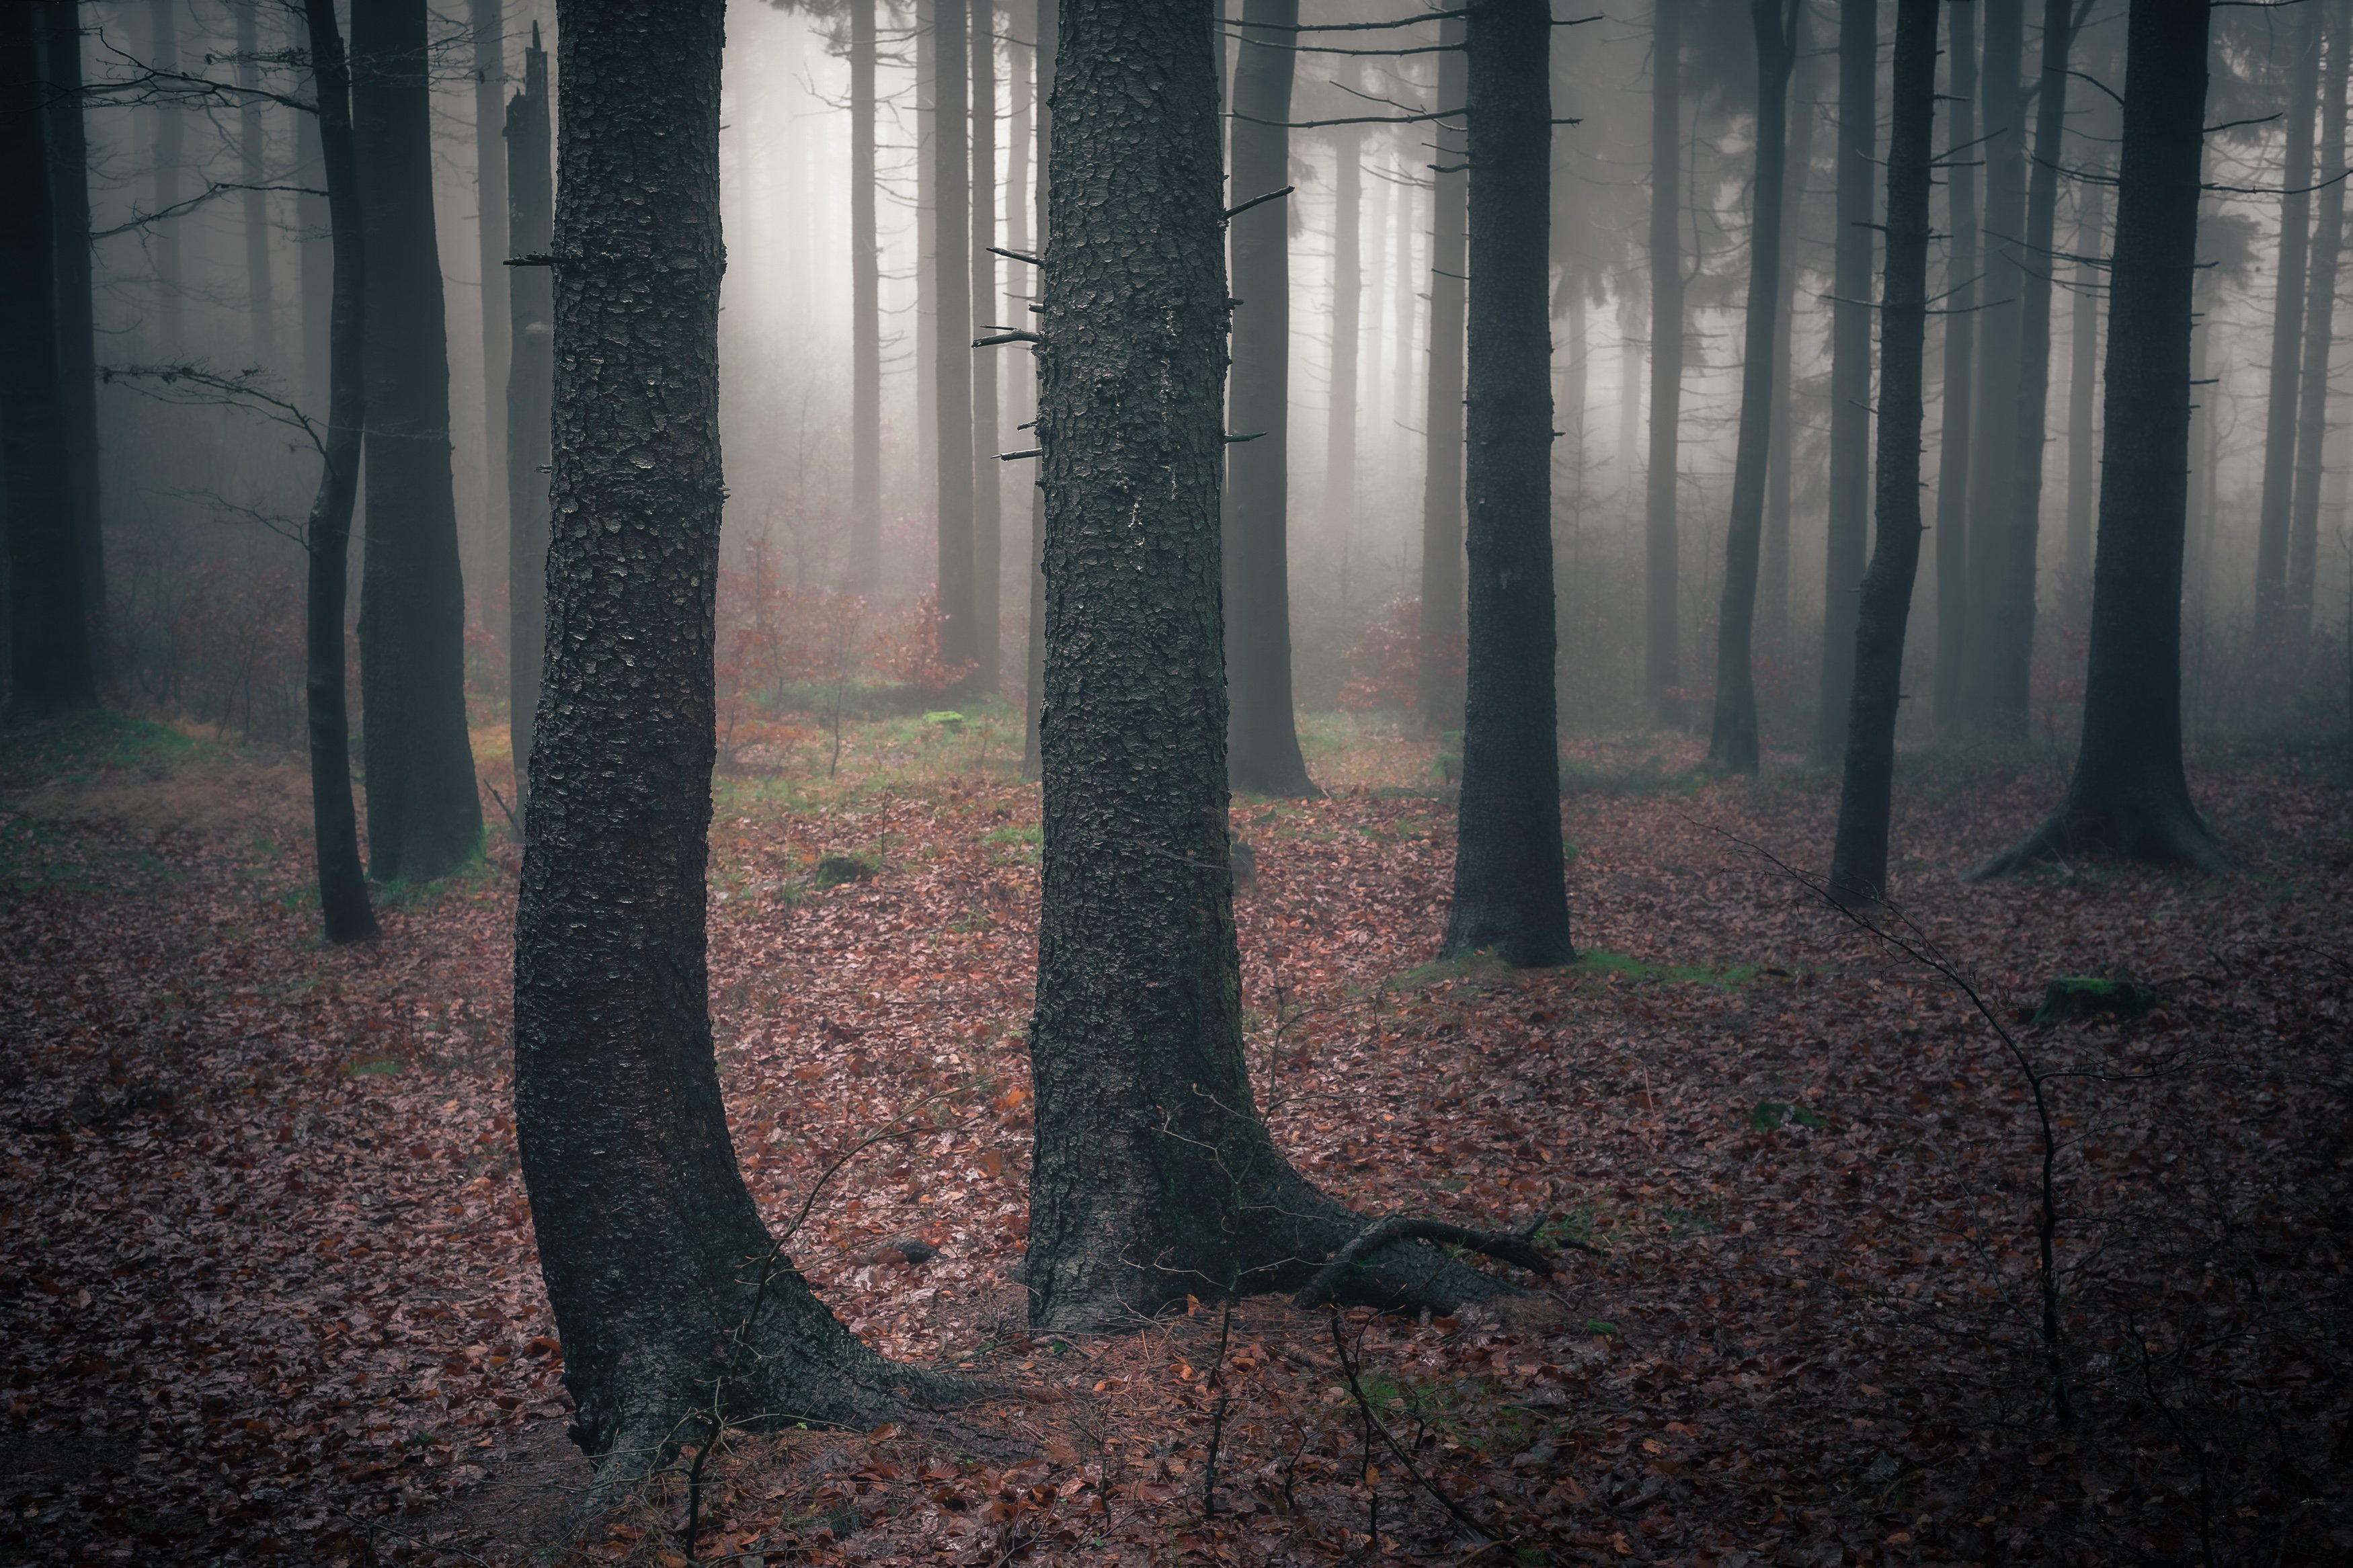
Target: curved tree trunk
{"x": 669, "y": 1294}
{"x": 1154, "y": 1178}
{"x": 2128, "y": 796}
{"x": 1731, "y": 740}
{"x": 531, "y": 389}
{"x": 77, "y": 318}
{"x": 334, "y": 822}
{"x": 1959, "y": 404}
{"x": 1264, "y": 757}
{"x": 1661, "y": 650}
{"x": 1859, "y": 858}
{"x": 1510, "y": 897}
{"x": 1846, "y": 536}
{"x": 1439, "y": 679}
{"x": 2287, "y": 329}
{"x": 1992, "y": 490}
{"x": 2319, "y": 337}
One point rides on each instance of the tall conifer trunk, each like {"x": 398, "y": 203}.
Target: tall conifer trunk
{"x": 2083, "y": 381}
{"x": 2287, "y": 329}
{"x": 1439, "y": 679}
{"x": 1959, "y": 404}
{"x": 1846, "y": 536}
{"x": 486, "y": 20}
{"x": 1773, "y": 595}
{"x": 261, "y": 304}
{"x": 165, "y": 178}
{"x": 1992, "y": 492}
{"x": 68, "y": 147}
{"x": 865, "y": 315}
{"x": 1347, "y": 304}
{"x": 987, "y": 492}
{"x": 530, "y": 394}
{"x": 2319, "y": 333}
{"x": 1661, "y": 648}
{"x": 1048, "y": 28}
{"x": 952, "y": 369}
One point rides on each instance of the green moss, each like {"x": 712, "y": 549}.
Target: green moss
{"x": 1596, "y": 965}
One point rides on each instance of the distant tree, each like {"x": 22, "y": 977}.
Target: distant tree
{"x": 2128, "y": 796}
{"x": 987, "y": 491}
{"x": 1663, "y": 656}
{"x": 486, "y": 20}
{"x": 2319, "y": 332}
{"x": 865, "y": 314}
{"x": 50, "y": 669}
{"x": 1859, "y": 859}
{"x": 1805, "y": 114}
{"x": 670, "y": 1293}
{"x": 1850, "y": 496}
{"x": 167, "y": 165}
{"x": 2287, "y": 324}
{"x": 261, "y": 303}
{"x": 2002, "y": 110}
{"x": 1439, "y": 678}
{"x": 529, "y": 389}
{"x": 951, "y": 344}
{"x": 1959, "y": 404}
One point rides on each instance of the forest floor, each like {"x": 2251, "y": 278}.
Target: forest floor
{"x": 267, "y": 1283}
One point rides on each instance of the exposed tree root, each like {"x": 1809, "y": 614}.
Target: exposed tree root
{"x": 2127, "y": 827}
{"x": 1511, "y": 1246}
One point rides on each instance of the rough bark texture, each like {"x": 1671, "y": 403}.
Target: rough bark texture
{"x": 987, "y": 491}
{"x": 77, "y": 318}
{"x": 531, "y": 387}
{"x": 1992, "y": 492}
{"x": 1845, "y": 537}
{"x": 1510, "y": 897}
{"x": 1048, "y": 26}
{"x": 1347, "y": 299}
{"x": 49, "y": 659}
{"x": 1439, "y": 680}
{"x": 334, "y": 821}
{"x": 1662, "y": 654}
{"x": 261, "y": 306}
{"x": 1773, "y": 587}
{"x": 1859, "y": 858}
{"x": 865, "y": 316}
{"x": 2128, "y": 796}
{"x": 486, "y": 19}
{"x": 1959, "y": 406}
{"x": 1154, "y": 1178}
{"x": 424, "y": 816}
{"x": 2287, "y": 329}
{"x": 2319, "y": 335}
{"x": 952, "y": 370}
{"x": 1264, "y": 756}
{"x": 653, "y": 1250}
{"x": 1732, "y": 737}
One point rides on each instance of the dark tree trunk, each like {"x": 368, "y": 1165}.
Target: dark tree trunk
{"x": 2084, "y": 381}
{"x": 1858, "y": 861}
{"x": 670, "y": 1293}
{"x": 1992, "y": 490}
{"x": 952, "y": 370}
{"x": 2009, "y": 688}
{"x": 1264, "y": 756}
{"x": 77, "y": 318}
{"x": 988, "y": 493}
{"x": 2130, "y": 796}
{"x": 488, "y": 20}
{"x": 2319, "y": 337}
{"x": 1347, "y": 302}
{"x": 261, "y": 305}
{"x": 424, "y": 816}
{"x": 1032, "y": 756}
{"x": 315, "y": 253}
{"x": 1845, "y": 537}
{"x": 1773, "y": 596}
{"x": 2288, "y": 331}
{"x": 1732, "y": 739}
{"x": 1439, "y": 679}
{"x": 163, "y": 230}
{"x": 1959, "y": 404}
{"x": 865, "y": 316}
{"x": 1510, "y": 895}
{"x": 531, "y": 388}
{"x": 50, "y": 669}
{"x": 1661, "y": 650}
{"x": 334, "y": 822}
{"x": 1154, "y": 1177}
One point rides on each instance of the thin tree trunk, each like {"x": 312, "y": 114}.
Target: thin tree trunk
{"x": 2287, "y": 332}
{"x": 334, "y": 822}
{"x": 1846, "y": 536}
{"x": 1032, "y": 750}
{"x": 927, "y": 244}
{"x": 987, "y": 492}
{"x": 424, "y": 815}
{"x": 1262, "y": 747}
{"x": 1347, "y": 305}
{"x": 670, "y": 1293}
{"x": 865, "y": 315}
{"x": 163, "y": 230}
{"x": 1991, "y": 491}
{"x": 531, "y": 391}
{"x": 69, "y": 148}
{"x": 1733, "y": 742}
{"x": 1510, "y": 897}
{"x": 1154, "y": 1177}
{"x": 1440, "y": 676}
{"x": 1773, "y": 606}
{"x": 1662, "y": 653}
{"x": 486, "y": 19}
{"x": 2083, "y": 381}
{"x": 1959, "y": 406}
{"x": 952, "y": 370}
{"x": 2319, "y": 330}
{"x": 2128, "y": 796}
{"x": 261, "y": 305}
{"x": 1859, "y": 859}
{"x": 50, "y": 669}
{"x": 1630, "y": 351}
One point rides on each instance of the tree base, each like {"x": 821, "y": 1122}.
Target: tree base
{"x": 2155, "y": 831}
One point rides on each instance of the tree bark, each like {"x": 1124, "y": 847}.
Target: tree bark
{"x": 1773, "y": 600}
{"x": 314, "y": 252}
{"x": 530, "y": 395}
{"x": 1347, "y": 304}
{"x": 2128, "y": 796}
{"x": 1661, "y": 651}
{"x": 2319, "y": 335}
{"x": 163, "y": 231}
{"x": 670, "y": 1293}
{"x": 952, "y": 370}
{"x": 1032, "y": 754}
{"x": 987, "y": 492}
{"x": 1510, "y": 896}
{"x": 1154, "y": 1178}
{"x": 1733, "y": 742}
{"x": 69, "y": 148}
{"x": 1992, "y": 492}
{"x": 1859, "y": 858}
{"x": 486, "y": 20}
{"x": 334, "y": 821}
{"x": 50, "y": 669}
{"x": 1845, "y": 537}
{"x": 261, "y": 305}
{"x": 865, "y": 315}
{"x": 424, "y": 816}
{"x": 1439, "y": 679}
{"x": 2083, "y": 381}
{"x": 1263, "y": 754}
{"x": 2287, "y": 332}
{"x": 1959, "y": 406}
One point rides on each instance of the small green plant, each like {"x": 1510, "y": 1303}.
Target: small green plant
{"x": 374, "y": 1066}
{"x": 1771, "y": 1114}
{"x": 833, "y": 871}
